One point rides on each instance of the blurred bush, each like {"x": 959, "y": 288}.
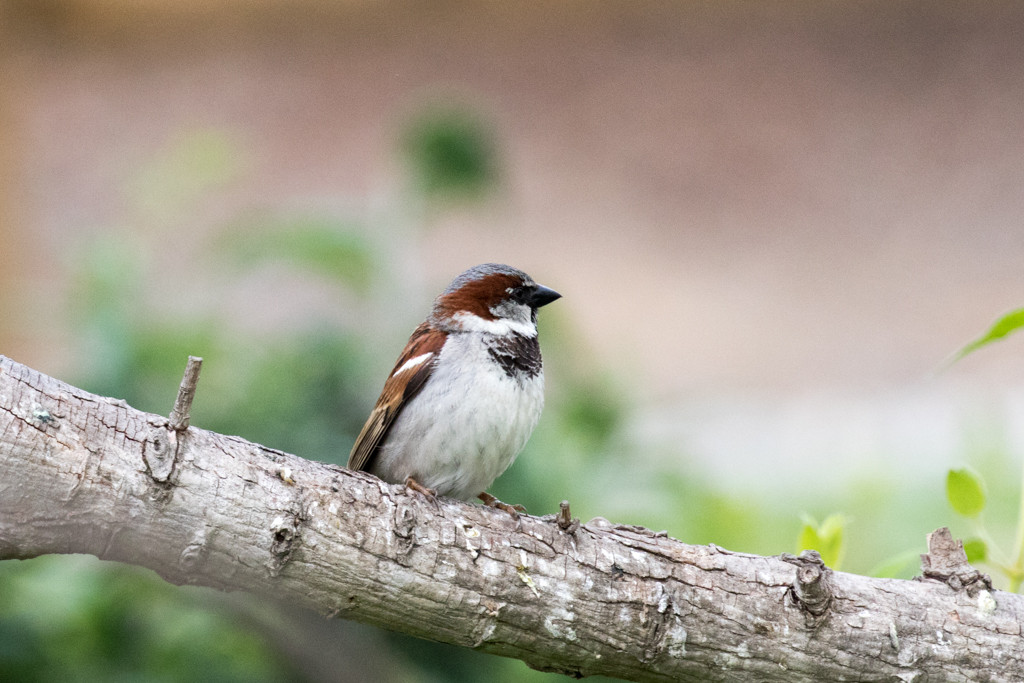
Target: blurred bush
{"x": 68, "y": 618}
{"x": 450, "y": 153}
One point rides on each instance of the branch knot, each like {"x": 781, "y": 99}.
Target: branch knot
{"x": 812, "y": 589}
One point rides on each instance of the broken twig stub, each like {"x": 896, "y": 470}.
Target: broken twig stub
{"x": 946, "y": 561}
{"x": 181, "y": 414}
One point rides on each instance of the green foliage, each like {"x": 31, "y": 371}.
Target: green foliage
{"x": 76, "y": 619}
{"x": 319, "y": 244}
{"x": 965, "y": 492}
{"x": 826, "y": 538}
{"x": 451, "y": 153}
{"x": 1007, "y": 324}
{"x": 592, "y": 413}
{"x": 896, "y": 566}
{"x": 976, "y": 549}
{"x": 304, "y": 395}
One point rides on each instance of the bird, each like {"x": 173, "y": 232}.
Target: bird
{"x": 465, "y": 394}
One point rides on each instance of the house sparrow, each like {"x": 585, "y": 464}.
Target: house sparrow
{"x": 466, "y": 392}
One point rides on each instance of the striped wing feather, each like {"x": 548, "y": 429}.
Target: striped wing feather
{"x": 399, "y": 389}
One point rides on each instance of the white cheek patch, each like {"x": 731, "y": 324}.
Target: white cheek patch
{"x": 502, "y": 326}
{"x": 413, "y": 362}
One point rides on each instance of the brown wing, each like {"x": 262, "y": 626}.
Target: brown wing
{"x": 405, "y": 381}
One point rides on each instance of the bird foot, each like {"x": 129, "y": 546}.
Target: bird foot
{"x": 492, "y": 502}
{"x": 414, "y": 485}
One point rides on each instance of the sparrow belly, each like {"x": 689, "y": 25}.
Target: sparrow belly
{"x": 466, "y": 425}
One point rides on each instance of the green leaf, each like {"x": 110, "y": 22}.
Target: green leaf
{"x": 965, "y": 491}
{"x": 826, "y": 538}
{"x": 976, "y": 549}
{"x": 1011, "y": 322}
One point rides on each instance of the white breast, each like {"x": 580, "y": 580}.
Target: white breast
{"x": 466, "y": 425}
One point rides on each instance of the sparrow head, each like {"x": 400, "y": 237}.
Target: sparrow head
{"x": 492, "y": 298}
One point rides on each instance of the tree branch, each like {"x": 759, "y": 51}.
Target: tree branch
{"x": 84, "y": 474}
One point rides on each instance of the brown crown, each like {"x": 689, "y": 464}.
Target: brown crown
{"x": 477, "y": 296}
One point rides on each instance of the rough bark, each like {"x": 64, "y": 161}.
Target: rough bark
{"x": 84, "y": 474}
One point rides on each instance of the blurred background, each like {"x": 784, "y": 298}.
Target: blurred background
{"x": 771, "y": 224}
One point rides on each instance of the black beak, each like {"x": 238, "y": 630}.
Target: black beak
{"x": 542, "y": 296}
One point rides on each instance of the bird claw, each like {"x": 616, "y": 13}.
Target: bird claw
{"x": 414, "y": 485}
{"x": 492, "y": 502}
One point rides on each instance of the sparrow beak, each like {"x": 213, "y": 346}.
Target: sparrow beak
{"x": 542, "y": 296}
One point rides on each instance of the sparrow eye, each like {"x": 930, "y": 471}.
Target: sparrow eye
{"x": 521, "y": 295}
